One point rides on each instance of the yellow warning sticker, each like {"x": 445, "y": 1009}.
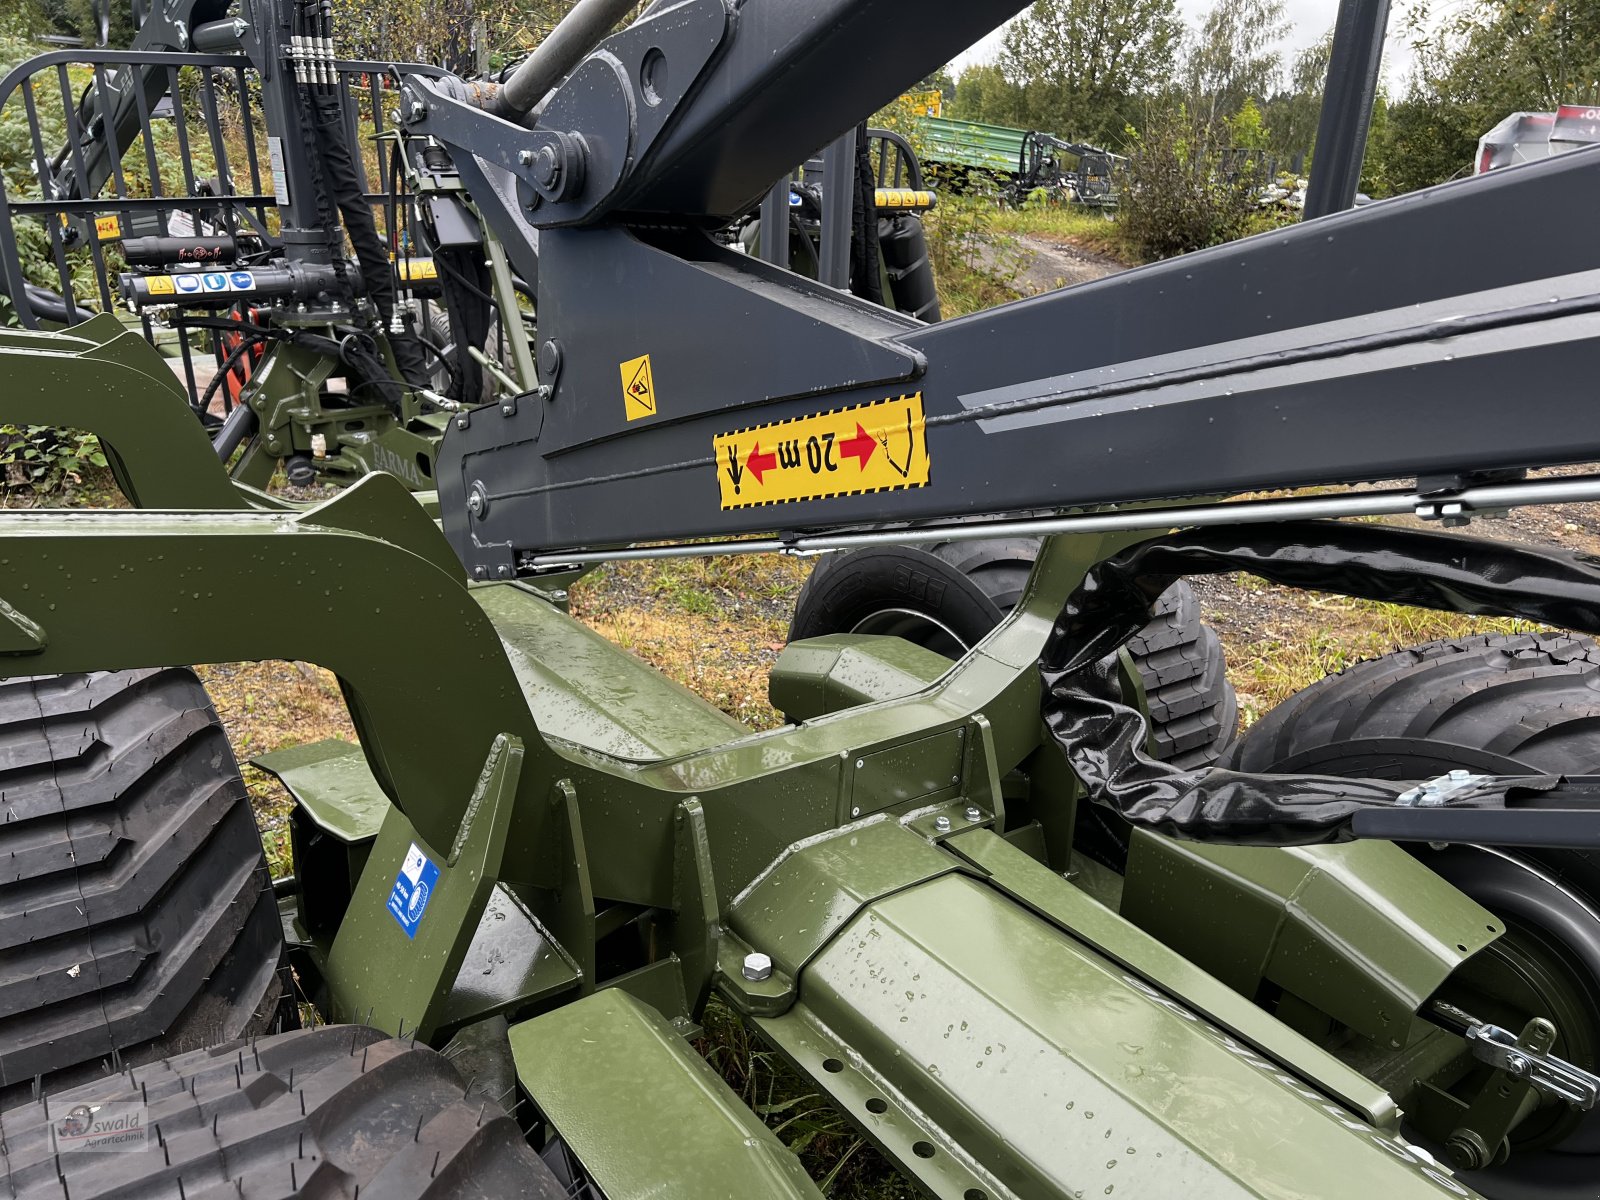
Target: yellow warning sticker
{"x": 159, "y": 285}
{"x": 638, "y": 388}
{"x": 107, "y": 229}
{"x": 878, "y": 447}
{"x": 417, "y": 270}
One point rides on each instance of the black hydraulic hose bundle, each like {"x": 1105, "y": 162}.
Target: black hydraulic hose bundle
{"x": 1103, "y": 737}
{"x": 344, "y": 186}
{"x": 866, "y": 280}
{"x": 334, "y": 179}
{"x": 464, "y": 282}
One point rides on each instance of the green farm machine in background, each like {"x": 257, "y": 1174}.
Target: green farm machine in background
{"x": 956, "y": 893}
{"x": 1024, "y": 164}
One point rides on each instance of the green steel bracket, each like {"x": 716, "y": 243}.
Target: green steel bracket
{"x": 512, "y": 965}
{"x": 569, "y": 907}
{"x": 333, "y": 786}
{"x": 109, "y": 381}
{"x": 645, "y": 1114}
{"x": 406, "y": 453}
{"x": 1047, "y": 894}
{"x": 697, "y": 929}
{"x": 754, "y": 997}
{"x": 799, "y": 903}
{"x": 285, "y": 387}
{"x": 382, "y": 972}
{"x": 938, "y": 822}
{"x": 660, "y": 985}
{"x": 980, "y": 770}
{"x": 821, "y": 675}
{"x": 1362, "y": 931}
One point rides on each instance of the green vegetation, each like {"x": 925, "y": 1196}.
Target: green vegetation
{"x": 1475, "y": 64}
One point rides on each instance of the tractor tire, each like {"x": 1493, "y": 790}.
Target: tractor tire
{"x": 948, "y": 595}
{"x": 137, "y": 917}
{"x": 322, "y": 1112}
{"x": 1496, "y": 704}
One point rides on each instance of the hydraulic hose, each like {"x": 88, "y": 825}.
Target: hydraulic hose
{"x": 228, "y": 364}
{"x": 240, "y": 425}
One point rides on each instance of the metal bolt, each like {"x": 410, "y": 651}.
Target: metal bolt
{"x": 463, "y": 421}
{"x": 525, "y": 157}
{"x": 960, "y": 733}
{"x": 546, "y": 392}
{"x": 1467, "y": 1150}
{"x": 480, "y": 572}
{"x": 974, "y": 813}
{"x": 757, "y": 967}
{"x": 1516, "y": 1064}
{"x": 942, "y": 824}
{"x": 503, "y": 571}
{"x": 549, "y": 167}
{"x": 418, "y": 108}
{"x": 955, "y": 779}
{"x": 855, "y": 812}
{"x": 558, "y": 595}
{"x": 475, "y": 504}
{"x": 860, "y": 762}
{"x": 508, "y": 410}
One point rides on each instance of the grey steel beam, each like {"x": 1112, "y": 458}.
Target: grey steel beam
{"x": 1347, "y": 101}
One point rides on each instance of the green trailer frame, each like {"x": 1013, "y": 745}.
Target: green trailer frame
{"x": 981, "y": 1001}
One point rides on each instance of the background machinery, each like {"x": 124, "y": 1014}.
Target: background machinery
{"x": 1023, "y": 956}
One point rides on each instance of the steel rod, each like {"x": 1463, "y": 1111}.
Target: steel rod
{"x": 1468, "y": 502}
{"x": 555, "y": 57}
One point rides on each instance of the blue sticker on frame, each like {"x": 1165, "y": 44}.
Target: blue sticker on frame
{"x": 413, "y": 888}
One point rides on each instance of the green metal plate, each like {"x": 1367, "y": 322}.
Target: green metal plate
{"x": 583, "y": 690}
{"x": 1361, "y": 931}
{"x": 809, "y": 894}
{"x": 842, "y": 670}
{"x": 1012, "y": 1060}
{"x": 643, "y": 1112}
{"x": 1119, "y": 939}
{"x": 332, "y": 782}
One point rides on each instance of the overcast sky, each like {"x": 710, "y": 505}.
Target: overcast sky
{"x": 1308, "y": 19}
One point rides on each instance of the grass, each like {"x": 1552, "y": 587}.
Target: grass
{"x": 716, "y": 625}
{"x": 1322, "y": 634}
{"x": 1088, "y": 229}
{"x": 844, "y": 1164}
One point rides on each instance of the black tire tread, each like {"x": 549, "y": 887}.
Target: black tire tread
{"x": 1493, "y": 701}
{"x": 314, "y": 1112}
{"x": 136, "y": 913}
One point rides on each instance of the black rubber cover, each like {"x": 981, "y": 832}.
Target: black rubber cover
{"x": 316, "y": 1113}
{"x": 136, "y": 912}
{"x": 1103, "y": 738}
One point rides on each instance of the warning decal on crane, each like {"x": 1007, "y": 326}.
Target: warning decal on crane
{"x": 878, "y": 447}
{"x": 638, "y": 388}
